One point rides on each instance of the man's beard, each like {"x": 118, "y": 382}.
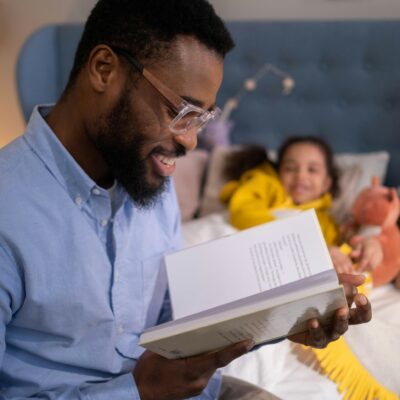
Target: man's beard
{"x": 120, "y": 144}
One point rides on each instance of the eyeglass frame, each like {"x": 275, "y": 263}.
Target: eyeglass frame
{"x": 181, "y": 106}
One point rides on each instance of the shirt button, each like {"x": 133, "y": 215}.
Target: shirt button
{"x": 78, "y": 200}
{"x": 96, "y": 191}
{"x": 104, "y": 222}
{"x": 120, "y": 329}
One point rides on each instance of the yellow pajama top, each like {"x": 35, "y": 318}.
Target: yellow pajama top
{"x": 258, "y": 195}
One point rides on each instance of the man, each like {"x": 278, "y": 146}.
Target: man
{"x": 88, "y": 210}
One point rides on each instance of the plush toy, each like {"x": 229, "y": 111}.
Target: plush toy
{"x": 375, "y": 213}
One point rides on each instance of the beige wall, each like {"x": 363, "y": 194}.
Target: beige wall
{"x": 308, "y": 9}
{"x": 19, "y": 18}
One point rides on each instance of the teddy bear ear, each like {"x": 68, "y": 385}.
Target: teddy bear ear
{"x": 375, "y": 181}
{"x": 393, "y": 196}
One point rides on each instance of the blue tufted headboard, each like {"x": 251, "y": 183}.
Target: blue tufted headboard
{"x": 347, "y": 77}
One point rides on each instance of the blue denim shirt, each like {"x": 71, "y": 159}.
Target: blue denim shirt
{"x": 78, "y": 284}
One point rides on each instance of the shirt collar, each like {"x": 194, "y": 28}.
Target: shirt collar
{"x": 57, "y": 159}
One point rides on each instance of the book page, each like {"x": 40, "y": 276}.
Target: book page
{"x": 277, "y": 261}
{"x": 246, "y": 263}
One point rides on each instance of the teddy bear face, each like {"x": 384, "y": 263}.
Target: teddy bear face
{"x": 371, "y": 210}
{"x": 376, "y": 206}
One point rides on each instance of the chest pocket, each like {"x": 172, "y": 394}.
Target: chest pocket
{"x": 144, "y": 306}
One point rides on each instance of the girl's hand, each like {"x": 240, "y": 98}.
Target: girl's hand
{"x": 341, "y": 262}
{"x": 367, "y": 253}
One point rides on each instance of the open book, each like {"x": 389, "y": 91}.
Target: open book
{"x": 262, "y": 283}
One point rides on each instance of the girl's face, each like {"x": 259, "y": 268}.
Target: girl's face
{"x": 303, "y": 172}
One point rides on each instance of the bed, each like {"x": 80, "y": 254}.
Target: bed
{"x": 347, "y": 81}
{"x": 347, "y": 89}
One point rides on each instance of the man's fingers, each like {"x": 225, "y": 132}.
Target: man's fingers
{"x": 363, "y": 311}
{"x": 199, "y": 369}
{"x": 225, "y": 356}
{"x": 341, "y": 323}
{"x": 217, "y": 359}
{"x": 350, "y": 283}
{"x": 317, "y": 336}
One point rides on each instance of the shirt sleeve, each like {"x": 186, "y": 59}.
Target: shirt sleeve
{"x": 11, "y": 294}
{"x": 122, "y": 387}
{"x": 11, "y": 299}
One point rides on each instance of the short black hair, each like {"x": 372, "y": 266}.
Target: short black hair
{"x": 146, "y": 28}
{"x": 326, "y": 150}
{"x": 244, "y": 158}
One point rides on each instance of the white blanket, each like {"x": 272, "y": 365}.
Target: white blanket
{"x": 284, "y": 368}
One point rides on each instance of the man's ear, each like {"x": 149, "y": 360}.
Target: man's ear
{"x": 103, "y": 67}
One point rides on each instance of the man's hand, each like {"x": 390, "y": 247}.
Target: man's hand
{"x": 367, "y": 253}
{"x": 158, "y": 378}
{"x": 318, "y": 337}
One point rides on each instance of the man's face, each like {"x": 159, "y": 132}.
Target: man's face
{"x": 133, "y": 137}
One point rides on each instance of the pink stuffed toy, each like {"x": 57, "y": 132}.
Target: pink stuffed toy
{"x": 375, "y": 213}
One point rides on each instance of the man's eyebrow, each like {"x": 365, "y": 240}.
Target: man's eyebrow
{"x": 196, "y": 102}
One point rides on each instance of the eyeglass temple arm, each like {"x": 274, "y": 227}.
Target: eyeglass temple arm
{"x": 169, "y": 95}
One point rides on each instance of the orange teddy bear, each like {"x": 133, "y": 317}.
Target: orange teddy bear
{"x": 375, "y": 213}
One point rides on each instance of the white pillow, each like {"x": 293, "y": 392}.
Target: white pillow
{"x": 188, "y": 178}
{"x": 356, "y": 171}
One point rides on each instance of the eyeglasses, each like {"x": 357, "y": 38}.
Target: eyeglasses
{"x": 189, "y": 117}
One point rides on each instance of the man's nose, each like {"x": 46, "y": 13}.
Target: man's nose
{"x": 188, "y": 140}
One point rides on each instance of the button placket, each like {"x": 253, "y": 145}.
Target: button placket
{"x": 78, "y": 200}
{"x": 117, "y": 274}
{"x": 116, "y": 287}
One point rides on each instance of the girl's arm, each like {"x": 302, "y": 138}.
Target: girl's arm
{"x": 254, "y": 200}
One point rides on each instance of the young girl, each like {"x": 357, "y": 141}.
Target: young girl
{"x": 304, "y": 177}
